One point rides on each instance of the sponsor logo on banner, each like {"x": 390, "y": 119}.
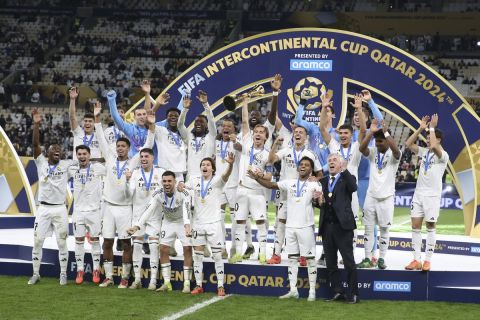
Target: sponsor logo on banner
{"x": 310, "y": 65}
{"x": 392, "y": 286}
{"x": 475, "y": 249}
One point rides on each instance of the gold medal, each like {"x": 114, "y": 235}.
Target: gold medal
{"x": 298, "y": 199}
{"x": 45, "y": 179}
{"x": 330, "y": 194}
{"x": 250, "y": 167}
{"x": 223, "y": 161}
{"x": 380, "y": 171}
{"x": 203, "y": 200}
{"x": 119, "y": 181}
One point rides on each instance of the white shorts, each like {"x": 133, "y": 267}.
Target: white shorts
{"x": 211, "y": 233}
{"x": 172, "y": 231}
{"x": 48, "y": 218}
{"x": 427, "y": 207}
{"x": 250, "y": 201}
{"x": 229, "y": 196}
{"x": 152, "y": 227}
{"x": 91, "y": 220}
{"x": 355, "y": 205}
{"x": 300, "y": 241}
{"x": 378, "y": 211}
{"x": 116, "y": 219}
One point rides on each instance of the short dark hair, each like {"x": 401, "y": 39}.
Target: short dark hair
{"x": 172, "y": 110}
{"x": 124, "y": 140}
{"x": 346, "y": 127}
{"x": 211, "y": 161}
{"x": 379, "y": 134}
{"x": 89, "y": 116}
{"x": 138, "y": 108}
{"x": 203, "y": 116}
{"x": 312, "y": 164}
{"x": 82, "y": 147}
{"x": 230, "y": 120}
{"x": 147, "y": 150}
{"x": 439, "y": 134}
{"x": 169, "y": 173}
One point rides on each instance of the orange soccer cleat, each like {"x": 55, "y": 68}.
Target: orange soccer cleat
{"x": 79, "y": 279}
{"x": 302, "y": 261}
{"x": 426, "y": 266}
{"x": 275, "y": 259}
{"x": 414, "y": 265}
{"x": 197, "y": 290}
{"x": 221, "y": 292}
{"x": 96, "y": 276}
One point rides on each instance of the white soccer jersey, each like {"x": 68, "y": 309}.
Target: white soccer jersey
{"x": 222, "y": 149}
{"x": 351, "y": 154}
{"x": 173, "y": 209}
{"x": 112, "y": 134}
{"x": 383, "y": 169}
{"x": 206, "y": 199}
{"x": 198, "y": 148}
{"x": 256, "y": 159}
{"x": 291, "y": 157}
{"x": 52, "y": 180}
{"x": 87, "y": 186}
{"x": 429, "y": 182}
{"x": 141, "y": 187}
{"x": 172, "y": 151}
{"x": 114, "y": 190}
{"x": 299, "y": 201}
{"x": 91, "y": 141}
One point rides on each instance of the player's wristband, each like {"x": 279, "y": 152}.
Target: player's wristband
{"x": 275, "y": 93}
{"x": 431, "y": 129}
{"x": 386, "y": 134}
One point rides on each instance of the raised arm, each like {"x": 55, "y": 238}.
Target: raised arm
{"x": 72, "y": 111}
{"x": 434, "y": 144}
{"x": 351, "y": 181}
{"x": 37, "y": 119}
{"x": 361, "y": 117}
{"x": 230, "y": 160}
{"x": 411, "y": 141}
{"x": 368, "y": 137}
{"x": 187, "y": 102}
{"x": 99, "y": 134}
{"x": 212, "y": 128}
{"x": 311, "y": 128}
{"x": 275, "y": 84}
{"x": 147, "y": 101}
{"x": 163, "y": 100}
{"x": 391, "y": 142}
{"x": 245, "y": 125}
{"x": 272, "y": 155}
{"x": 121, "y": 124}
{"x": 371, "y": 104}
{"x": 323, "y": 118}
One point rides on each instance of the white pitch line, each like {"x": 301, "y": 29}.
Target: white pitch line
{"x": 194, "y": 308}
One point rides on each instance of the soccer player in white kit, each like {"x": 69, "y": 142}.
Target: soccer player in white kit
{"x": 52, "y": 212}
{"x": 201, "y": 141}
{"x": 379, "y": 204}
{"x": 300, "y": 234}
{"x": 142, "y": 183}
{"x": 250, "y": 194}
{"x": 86, "y": 135}
{"x": 117, "y": 216}
{"x": 206, "y": 220}
{"x": 87, "y": 215}
{"x": 170, "y": 209}
{"x": 112, "y": 132}
{"x": 290, "y": 160}
{"x": 223, "y": 147}
{"x": 427, "y": 196}
{"x": 348, "y": 149}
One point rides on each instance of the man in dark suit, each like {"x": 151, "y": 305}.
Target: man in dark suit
{"x": 336, "y": 227}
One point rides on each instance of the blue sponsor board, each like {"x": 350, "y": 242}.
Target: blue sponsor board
{"x": 310, "y": 65}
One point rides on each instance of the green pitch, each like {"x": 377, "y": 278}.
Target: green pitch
{"x": 47, "y": 300}
{"x": 450, "y": 221}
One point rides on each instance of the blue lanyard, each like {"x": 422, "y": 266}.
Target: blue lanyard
{"x": 89, "y": 142}
{"x": 203, "y": 191}
{"x": 175, "y": 137}
{"x": 348, "y": 152}
{"x": 299, "y": 191}
{"x": 252, "y": 155}
{"x": 169, "y": 206}
{"x": 140, "y": 141}
{"x": 380, "y": 161}
{"x": 223, "y": 151}
{"x": 84, "y": 181}
{"x": 51, "y": 169}
{"x": 116, "y": 133}
{"x": 197, "y": 142}
{"x": 427, "y": 160}
{"x": 331, "y": 184}
{"x": 147, "y": 184}
{"x": 120, "y": 172}
{"x": 295, "y": 158}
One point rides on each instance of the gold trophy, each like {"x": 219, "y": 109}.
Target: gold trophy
{"x": 232, "y": 102}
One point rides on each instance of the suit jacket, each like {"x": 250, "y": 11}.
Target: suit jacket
{"x": 341, "y": 200}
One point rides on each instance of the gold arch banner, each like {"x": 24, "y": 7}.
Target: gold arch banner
{"x": 343, "y": 63}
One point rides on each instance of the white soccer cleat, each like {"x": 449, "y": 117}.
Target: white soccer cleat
{"x": 152, "y": 285}
{"x": 106, "y": 283}
{"x": 311, "y": 296}
{"x": 166, "y": 287}
{"x": 63, "y": 279}
{"x": 136, "y": 285}
{"x": 123, "y": 284}
{"x": 34, "y": 279}
{"x": 290, "y": 295}
{"x": 186, "y": 287}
